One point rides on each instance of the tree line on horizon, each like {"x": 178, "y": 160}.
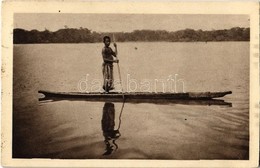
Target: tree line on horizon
{"x": 84, "y": 35}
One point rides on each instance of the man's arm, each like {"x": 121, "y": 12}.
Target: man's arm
{"x": 115, "y": 53}
{"x": 108, "y": 60}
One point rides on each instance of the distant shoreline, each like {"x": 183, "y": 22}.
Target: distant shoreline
{"x": 138, "y": 42}
{"x": 84, "y": 35}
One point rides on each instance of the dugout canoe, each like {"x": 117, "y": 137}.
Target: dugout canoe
{"x": 136, "y": 95}
{"x": 201, "y": 102}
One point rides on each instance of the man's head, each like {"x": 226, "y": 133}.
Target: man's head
{"x": 106, "y": 40}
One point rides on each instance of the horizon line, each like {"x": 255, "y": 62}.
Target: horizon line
{"x": 130, "y": 31}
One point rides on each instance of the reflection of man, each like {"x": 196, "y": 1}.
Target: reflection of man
{"x": 108, "y": 124}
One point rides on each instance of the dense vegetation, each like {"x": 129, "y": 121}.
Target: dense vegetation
{"x": 84, "y": 35}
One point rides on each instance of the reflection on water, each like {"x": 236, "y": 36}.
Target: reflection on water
{"x": 95, "y": 131}
{"x": 108, "y": 127}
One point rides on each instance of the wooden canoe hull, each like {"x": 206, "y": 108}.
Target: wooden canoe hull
{"x": 201, "y": 102}
{"x": 136, "y": 95}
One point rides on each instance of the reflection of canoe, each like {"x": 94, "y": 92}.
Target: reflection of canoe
{"x": 202, "y": 102}
{"x": 137, "y": 95}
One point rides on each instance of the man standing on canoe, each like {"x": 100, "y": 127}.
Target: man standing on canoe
{"x": 108, "y": 59}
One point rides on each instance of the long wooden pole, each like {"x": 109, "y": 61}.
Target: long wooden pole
{"x": 118, "y": 67}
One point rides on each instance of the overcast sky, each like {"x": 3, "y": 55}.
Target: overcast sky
{"x": 129, "y": 22}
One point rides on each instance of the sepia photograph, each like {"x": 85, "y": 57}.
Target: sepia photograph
{"x": 100, "y": 85}
{"x": 131, "y": 86}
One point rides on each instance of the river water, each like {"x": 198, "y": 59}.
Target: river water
{"x": 140, "y": 130}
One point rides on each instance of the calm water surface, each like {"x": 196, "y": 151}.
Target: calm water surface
{"x": 87, "y": 130}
